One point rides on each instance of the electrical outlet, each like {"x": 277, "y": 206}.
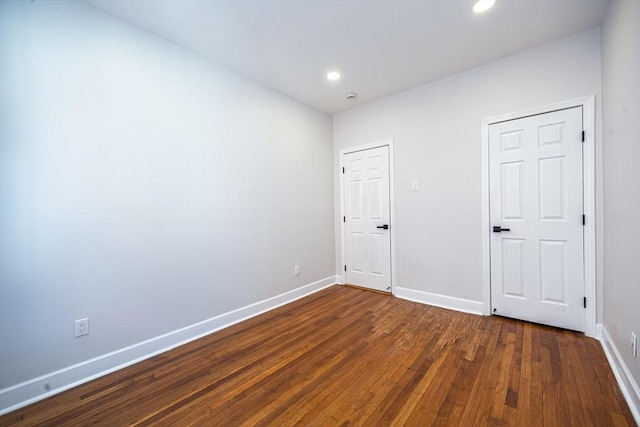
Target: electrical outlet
{"x": 296, "y": 270}
{"x": 634, "y": 345}
{"x": 82, "y": 327}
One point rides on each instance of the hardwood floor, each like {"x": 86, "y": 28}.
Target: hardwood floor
{"x": 346, "y": 356}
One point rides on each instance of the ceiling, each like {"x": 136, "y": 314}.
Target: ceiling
{"x": 380, "y": 47}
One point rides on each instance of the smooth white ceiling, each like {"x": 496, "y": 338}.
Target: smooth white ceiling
{"x": 380, "y": 47}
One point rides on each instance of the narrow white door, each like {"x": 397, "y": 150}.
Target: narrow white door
{"x": 366, "y": 218}
{"x": 536, "y": 209}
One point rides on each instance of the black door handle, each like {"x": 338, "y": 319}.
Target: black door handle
{"x": 385, "y": 227}
{"x": 498, "y": 229}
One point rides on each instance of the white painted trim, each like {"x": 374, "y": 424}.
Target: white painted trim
{"x": 486, "y": 221}
{"x": 28, "y": 392}
{"x": 442, "y": 301}
{"x": 392, "y": 216}
{"x": 589, "y": 201}
{"x": 627, "y": 383}
{"x": 589, "y": 178}
{"x": 383, "y": 143}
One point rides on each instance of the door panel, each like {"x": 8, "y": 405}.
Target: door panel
{"x": 535, "y": 181}
{"x": 366, "y": 204}
{"x": 357, "y": 252}
{"x": 553, "y": 269}
{"x": 512, "y": 190}
{"x": 552, "y": 189}
{"x": 378, "y": 260}
{"x": 512, "y": 262}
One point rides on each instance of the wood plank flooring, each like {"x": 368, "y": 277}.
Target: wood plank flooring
{"x": 345, "y": 356}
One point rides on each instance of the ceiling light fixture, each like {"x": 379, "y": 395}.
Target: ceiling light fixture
{"x": 333, "y": 75}
{"x": 483, "y": 5}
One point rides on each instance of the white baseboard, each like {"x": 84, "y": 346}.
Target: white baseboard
{"x": 28, "y": 392}
{"x": 443, "y": 301}
{"x": 627, "y": 383}
{"x": 340, "y": 279}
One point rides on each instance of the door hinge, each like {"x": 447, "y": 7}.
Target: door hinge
{"x": 344, "y": 219}
{"x": 584, "y": 219}
{"x": 343, "y": 167}
{"x": 582, "y": 136}
{"x": 584, "y": 302}
{"x": 345, "y": 268}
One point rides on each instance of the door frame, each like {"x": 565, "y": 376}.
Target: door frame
{"x": 589, "y": 201}
{"x": 392, "y": 234}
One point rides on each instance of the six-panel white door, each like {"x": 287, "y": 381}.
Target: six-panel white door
{"x": 535, "y": 184}
{"x": 366, "y": 212}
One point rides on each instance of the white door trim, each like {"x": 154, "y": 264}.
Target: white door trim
{"x": 589, "y": 200}
{"x": 383, "y": 143}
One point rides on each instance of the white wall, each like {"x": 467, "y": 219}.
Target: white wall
{"x": 143, "y": 187}
{"x": 621, "y": 144}
{"x": 436, "y": 133}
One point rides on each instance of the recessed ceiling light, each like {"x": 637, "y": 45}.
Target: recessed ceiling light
{"x": 483, "y": 5}
{"x": 333, "y": 75}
